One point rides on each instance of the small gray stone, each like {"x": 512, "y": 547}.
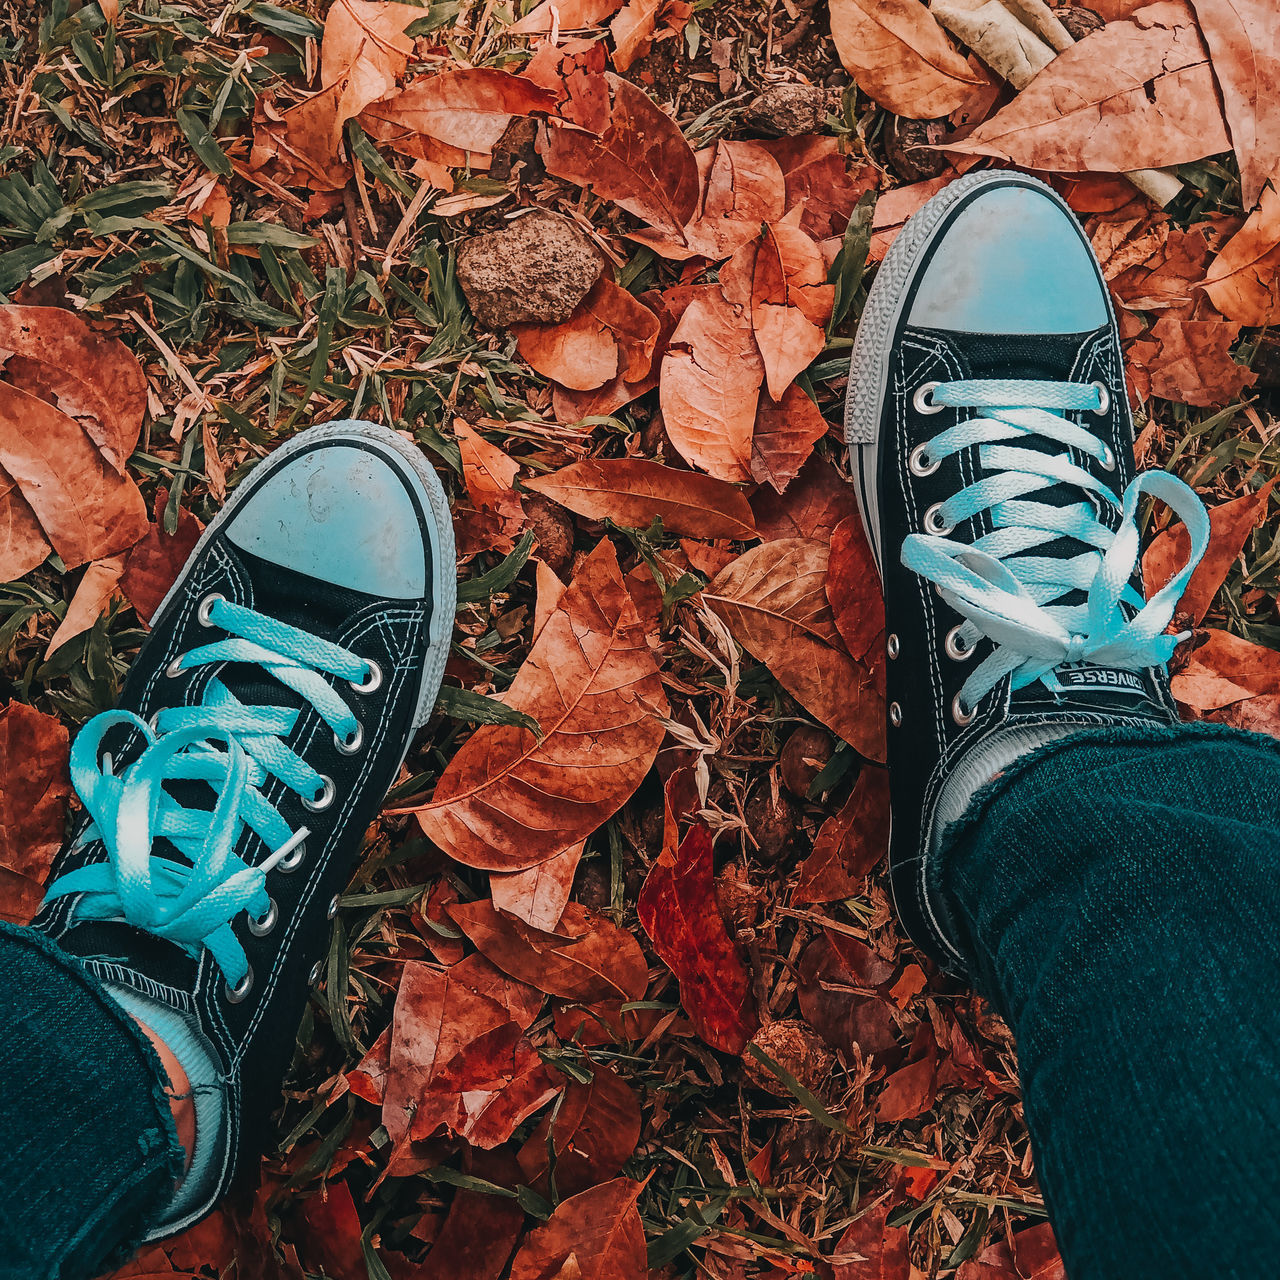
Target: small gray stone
{"x": 791, "y": 109}
{"x": 537, "y": 268}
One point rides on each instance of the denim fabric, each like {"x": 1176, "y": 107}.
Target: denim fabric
{"x": 1119, "y": 894}
{"x": 88, "y": 1150}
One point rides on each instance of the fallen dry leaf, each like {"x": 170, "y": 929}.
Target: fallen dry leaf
{"x": 301, "y": 146}
{"x": 90, "y": 600}
{"x": 774, "y": 601}
{"x": 538, "y": 895}
{"x": 1225, "y": 669}
{"x": 812, "y": 506}
{"x": 900, "y": 57}
{"x": 677, "y": 908}
{"x": 364, "y": 51}
{"x": 849, "y": 844}
{"x": 870, "y": 1249}
{"x": 1034, "y": 1256}
{"x": 477, "y": 1239}
{"x": 152, "y": 565}
{"x": 1189, "y": 362}
{"x": 563, "y": 15}
{"x": 509, "y": 800}
{"x": 1243, "y": 281}
{"x": 913, "y": 1088}
{"x": 1241, "y": 36}
{"x": 709, "y": 386}
{"x": 1137, "y": 94}
{"x": 843, "y": 996}
{"x": 641, "y": 162}
{"x": 634, "y": 491}
{"x": 853, "y": 590}
{"x": 783, "y": 437}
{"x": 588, "y": 959}
{"x": 33, "y": 806}
{"x": 600, "y": 1228}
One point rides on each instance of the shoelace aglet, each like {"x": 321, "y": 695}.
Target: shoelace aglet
{"x": 285, "y": 849}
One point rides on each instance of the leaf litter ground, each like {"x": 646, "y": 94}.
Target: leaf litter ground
{"x": 615, "y": 990}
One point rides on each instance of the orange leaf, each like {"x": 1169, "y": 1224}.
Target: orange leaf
{"x": 1189, "y": 362}
{"x": 870, "y": 1249}
{"x": 774, "y": 601}
{"x": 538, "y": 895}
{"x": 1136, "y": 94}
{"x": 1243, "y": 281}
{"x": 641, "y": 162}
{"x": 783, "y": 437}
{"x": 710, "y": 385}
{"x": 565, "y": 15}
{"x": 787, "y": 268}
{"x": 599, "y": 1228}
{"x": 849, "y": 844}
{"x": 90, "y": 600}
{"x": 509, "y": 800}
{"x": 900, "y": 57}
{"x": 364, "y": 50}
{"x": 633, "y": 491}
{"x": 153, "y": 564}
{"x": 1227, "y": 669}
{"x": 853, "y": 588}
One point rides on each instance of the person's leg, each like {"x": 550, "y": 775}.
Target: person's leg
{"x": 1117, "y": 895}
{"x": 89, "y": 1152}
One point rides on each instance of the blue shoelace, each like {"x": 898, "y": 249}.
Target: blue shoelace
{"x": 234, "y": 749}
{"x": 1013, "y": 597}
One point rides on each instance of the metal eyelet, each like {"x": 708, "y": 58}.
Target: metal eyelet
{"x": 333, "y": 908}
{"x": 892, "y": 647}
{"x": 960, "y": 713}
{"x": 933, "y": 521}
{"x": 174, "y": 669}
{"x": 1104, "y": 399}
{"x": 204, "y": 614}
{"x": 234, "y": 995}
{"x": 317, "y": 970}
{"x": 920, "y": 464}
{"x": 321, "y": 802}
{"x": 371, "y": 682}
{"x": 895, "y": 714}
{"x": 955, "y": 650}
{"x": 921, "y": 401}
{"x": 1108, "y": 459}
{"x": 262, "y": 925}
{"x": 349, "y": 746}
{"x": 293, "y": 859}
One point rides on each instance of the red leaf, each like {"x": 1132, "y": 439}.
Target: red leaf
{"x": 870, "y": 1249}
{"x": 853, "y": 588}
{"x": 600, "y": 1228}
{"x": 785, "y": 432}
{"x": 849, "y": 844}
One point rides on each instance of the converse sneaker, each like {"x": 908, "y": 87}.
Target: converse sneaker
{"x": 992, "y": 453}
{"x": 226, "y": 797}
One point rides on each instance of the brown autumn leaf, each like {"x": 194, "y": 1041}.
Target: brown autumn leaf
{"x": 1136, "y": 94}
{"x": 641, "y": 162}
{"x": 92, "y": 378}
{"x": 364, "y": 51}
{"x": 1189, "y": 362}
{"x": 912, "y": 1089}
{"x": 569, "y": 15}
{"x": 537, "y": 895}
{"x": 1241, "y": 36}
{"x": 574, "y": 71}
{"x": 92, "y": 596}
{"x": 600, "y": 1228}
{"x": 477, "y": 1239}
{"x": 456, "y": 1048}
{"x": 1230, "y": 524}
{"x": 870, "y": 1249}
{"x": 508, "y": 799}
{"x": 610, "y": 334}
{"x": 33, "y": 806}
{"x": 853, "y": 590}
{"x": 895, "y": 207}
{"x": 773, "y": 599}
{"x": 632, "y": 29}
{"x": 1034, "y": 1256}
{"x": 588, "y": 958}
{"x": 677, "y": 909}
{"x": 900, "y": 57}
{"x": 467, "y": 109}
{"x": 813, "y": 505}
{"x": 1226, "y": 669}
{"x": 709, "y": 386}
{"x": 594, "y": 1132}
{"x": 783, "y": 437}
{"x": 849, "y": 844}
{"x": 301, "y": 146}
{"x": 152, "y": 565}
{"x": 633, "y": 491}
{"x": 842, "y": 993}
{"x": 1243, "y": 281}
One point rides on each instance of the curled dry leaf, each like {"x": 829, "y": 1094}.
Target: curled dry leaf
{"x": 611, "y": 334}
{"x": 633, "y": 491}
{"x": 849, "y": 844}
{"x": 1243, "y": 281}
{"x": 900, "y": 57}
{"x": 303, "y": 145}
{"x": 468, "y": 109}
{"x": 152, "y": 565}
{"x": 538, "y": 895}
{"x": 1225, "y": 669}
{"x": 1138, "y": 94}
{"x": 563, "y": 15}
{"x": 853, "y": 589}
{"x": 90, "y": 600}
{"x": 33, "y": 806}
{"x": 842, "y": 996}
{"x": 784, "y": 435}
{"x": 677, "y": 909}
{"x": 1189, "y": 362}
{"x": 710, "y": 385}
{"x": 588, "y": 958}
{"x": 774, "y": 601}
{"x": 641, "y": 162}
{"x": 364, "y": 51}
{"x": 508, "y": 799}
{"x": 871, "y": 1249}
{"x": 599, "y": 1228}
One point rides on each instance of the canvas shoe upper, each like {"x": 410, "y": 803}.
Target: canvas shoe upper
{"x": 264, "y": 719}
{"x": 992, "y": 453}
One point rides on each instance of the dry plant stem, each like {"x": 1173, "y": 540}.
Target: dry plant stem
{"x": 1017, "y": 39}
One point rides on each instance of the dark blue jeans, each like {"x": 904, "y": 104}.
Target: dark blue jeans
{"x": 1119, "y": 896}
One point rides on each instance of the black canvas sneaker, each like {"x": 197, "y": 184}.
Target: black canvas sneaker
{"x": 992, "y": 451}
{"x": 226, "y": 797}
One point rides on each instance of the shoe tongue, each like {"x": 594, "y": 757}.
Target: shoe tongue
{"x": 1048, "y": 357}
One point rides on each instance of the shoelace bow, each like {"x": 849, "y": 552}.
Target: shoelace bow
{"x": 1013, "y": 597}
{"x": 231, "y": 747}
